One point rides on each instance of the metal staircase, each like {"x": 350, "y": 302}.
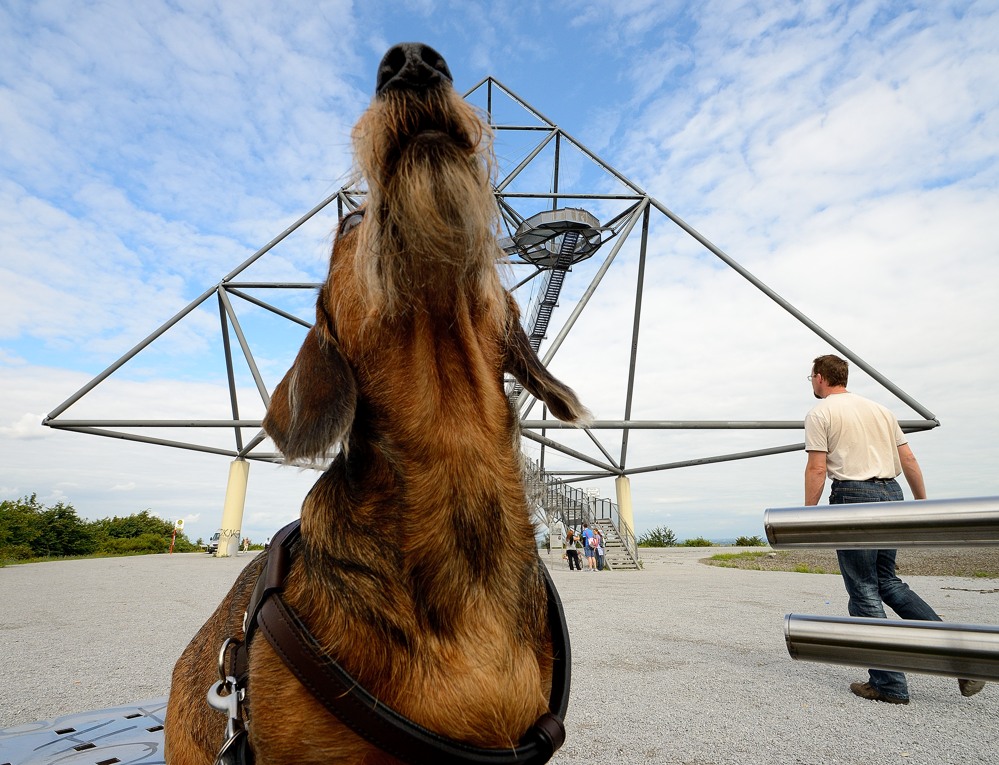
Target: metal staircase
{"x": 556, "y": 501}
{"x": 554, "y": 240}
{"x": 548, "y": 298}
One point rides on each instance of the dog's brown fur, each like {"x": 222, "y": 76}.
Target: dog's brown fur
{"x": 396, "y": 574}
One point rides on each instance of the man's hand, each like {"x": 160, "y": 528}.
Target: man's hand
{"x": 815, "y": 477}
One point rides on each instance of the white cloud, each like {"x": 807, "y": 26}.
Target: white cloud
{"x": 28, "y": 426}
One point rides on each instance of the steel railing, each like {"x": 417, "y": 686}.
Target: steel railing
{"x": 573, "y": 506}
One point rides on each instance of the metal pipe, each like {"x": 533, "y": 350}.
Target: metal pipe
{"x": 232, "y": 286}
{"x": 527, "y": 160}
{"x": 879, "y": 525}
{"x": 884, "y": 381}
{"x": 635, "y": 329}
{"x": 268, "y": 307}
{"x": 513, "y": 128}
{"x": 265, "y": 396}
{"x": 934, "y": 648}
{"x": 127, "y": 357}
{"x": 230, "y": 373}
{"x": 906, "y": 425}
{"x": 568, "y": 195}
{"x": 733, "y": 457}
{"x": 510, "y": 94}
{"x": 630, "y": 184}
{"x": 188, "y": 423}
{"x": 529, "y": 435}
{"x": 277, "y": 240}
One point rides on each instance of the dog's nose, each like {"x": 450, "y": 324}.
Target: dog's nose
{"x": 411, "y": 66}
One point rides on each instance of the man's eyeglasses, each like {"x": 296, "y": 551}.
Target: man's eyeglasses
{"x": 809, "y": 378}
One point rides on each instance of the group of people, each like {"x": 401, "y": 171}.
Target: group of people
{"x": 592, "y": 543}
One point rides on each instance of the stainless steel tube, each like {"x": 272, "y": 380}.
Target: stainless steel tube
{"x": 934, "y": 648}
{"x": 926, "y": 523}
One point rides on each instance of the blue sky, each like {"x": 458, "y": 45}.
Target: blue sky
{"x": 847, "y": 154}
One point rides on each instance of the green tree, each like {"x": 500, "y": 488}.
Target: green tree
{"x": 64, "y": 533}
{"x": 749, "y": 542}
{"x": 28, "y": 529}
{"x": 133, "y": 525}
{"x": 20, "y": 527}
{"x": 117, "y": 536}
{"x": 661, "y": 536}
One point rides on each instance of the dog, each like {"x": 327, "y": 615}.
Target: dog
{"x": 400, "y": 381}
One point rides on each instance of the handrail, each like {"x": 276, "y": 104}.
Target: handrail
{"x": 878, "y": 525}
{"x": 573, "y": 506}
{"x": 937, "y": 648}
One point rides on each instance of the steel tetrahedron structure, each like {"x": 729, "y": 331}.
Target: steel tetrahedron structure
{"x": 569, "y": 219}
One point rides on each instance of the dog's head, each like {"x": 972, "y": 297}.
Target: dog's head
{"x": 423, "y": 250}
{"x": 431, "y": 217}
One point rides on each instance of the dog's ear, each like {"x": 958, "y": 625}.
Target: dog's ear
{"x": 523, "y": 363}
{"x": 313, "y": 406}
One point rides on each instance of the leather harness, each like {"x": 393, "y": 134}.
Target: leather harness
{"x": 345, "y": 698}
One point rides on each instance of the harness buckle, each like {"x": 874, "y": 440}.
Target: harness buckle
{"x": 227, "y": 696}
{"x": 228, "y": 702}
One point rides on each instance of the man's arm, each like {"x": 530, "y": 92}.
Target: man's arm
{"x": 815, "y": 477}
{"x": 913, "y": 475}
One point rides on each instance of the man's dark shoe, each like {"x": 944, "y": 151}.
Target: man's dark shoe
{"x": 868, "y": 691}
{"x": 969, "y": 687}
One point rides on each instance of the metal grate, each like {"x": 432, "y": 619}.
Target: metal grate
{"x": 131, "y": 735}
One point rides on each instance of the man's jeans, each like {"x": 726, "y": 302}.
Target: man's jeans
{"x": 869, "y": 576}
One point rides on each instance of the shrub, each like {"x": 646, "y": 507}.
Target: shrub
{"x": 141, "y": 545}
{"x": 749, "y": 542}
{"x": 15, "y": 552}
{"x": 183, "y": 545}
{"x": 658, "y": 537}
{"x": 697, "y": 542}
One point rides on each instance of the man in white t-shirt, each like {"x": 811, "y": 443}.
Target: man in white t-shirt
{"x": 860, "y": 446}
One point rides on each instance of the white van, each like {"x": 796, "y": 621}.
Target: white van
{"x": 213, "y": 543}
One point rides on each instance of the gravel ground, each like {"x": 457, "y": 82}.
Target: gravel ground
{"x": 681, "y": 663}
{"x": 973, "y": 562}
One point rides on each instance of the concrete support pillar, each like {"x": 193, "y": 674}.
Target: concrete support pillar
{"x": 623, "y": 486}
{"x": 232, "y": 510}
{"x": 556, "y": 536}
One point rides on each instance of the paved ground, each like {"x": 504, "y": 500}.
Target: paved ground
{"x": 681, "y": 663}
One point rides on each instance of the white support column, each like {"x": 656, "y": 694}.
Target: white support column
{"x": 232, "y": 510}
{"x": 556, "y": 536}
{"x": 623, "y": 486}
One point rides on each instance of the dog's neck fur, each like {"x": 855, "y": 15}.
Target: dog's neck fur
{"x": 435, "y": 439}
{"x": 423, "y": 521}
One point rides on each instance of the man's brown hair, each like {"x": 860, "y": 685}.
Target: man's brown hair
{"x": 833, "y": 369}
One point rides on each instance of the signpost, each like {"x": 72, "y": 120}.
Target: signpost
{"x": 177, "y": 526}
